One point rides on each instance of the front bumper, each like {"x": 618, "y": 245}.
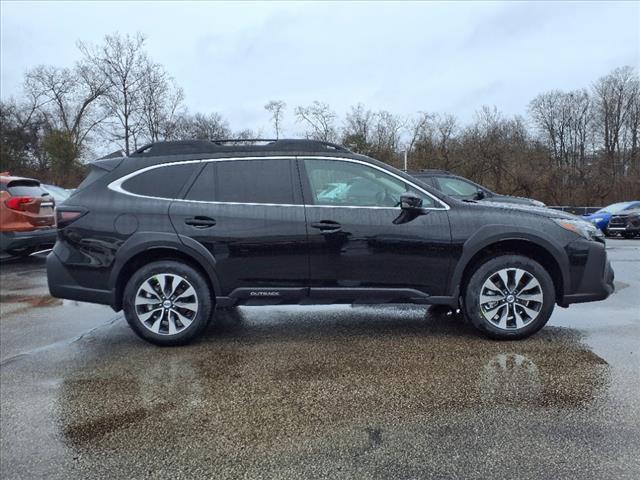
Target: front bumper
{"x": 624, "y": 229}
{"x": 592, "y": 275}
{"x": 43, "y": 238}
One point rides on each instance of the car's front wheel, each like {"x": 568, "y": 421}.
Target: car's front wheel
{"x": 167, "y": 303}
{"x": 509, "y": 297}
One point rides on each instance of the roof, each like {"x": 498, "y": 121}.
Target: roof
{"x": 428, "y": 172}
{"x": 186, "y": 147}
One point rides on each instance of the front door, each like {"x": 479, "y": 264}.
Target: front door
{"x": 356, "y": 250}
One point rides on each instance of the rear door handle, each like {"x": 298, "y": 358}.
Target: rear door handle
{"x": 327, "y": 226}
{"x": 200, "y": 222}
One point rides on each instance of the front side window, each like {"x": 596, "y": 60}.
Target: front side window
{"x": 341, "y": 183}
{"x": 456, "y": 188}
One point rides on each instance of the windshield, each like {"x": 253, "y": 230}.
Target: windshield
{"x": 58, "y": 193}
{"x": 457, "y": 188}
{"x": 617, "y": 207}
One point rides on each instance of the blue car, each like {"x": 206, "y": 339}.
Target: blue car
{"x": 601, "y": 218}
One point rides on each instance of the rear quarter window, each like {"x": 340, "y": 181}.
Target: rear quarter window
{"x": 161, "y": 182}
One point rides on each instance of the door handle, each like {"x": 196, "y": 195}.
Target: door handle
{"x": 327, "y": 226}
{"x": 200, "y": 222}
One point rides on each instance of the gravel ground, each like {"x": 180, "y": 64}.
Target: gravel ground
{"x": 318, "y": 392}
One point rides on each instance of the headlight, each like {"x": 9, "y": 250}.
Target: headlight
{"x": 582, "y": 228}
{"x": 597, "y": 220}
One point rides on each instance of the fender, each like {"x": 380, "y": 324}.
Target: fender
{"x": 145, "y": 241}
{"x": 490, "y": 234}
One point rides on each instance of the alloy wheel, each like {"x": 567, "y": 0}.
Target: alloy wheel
{"x": 166, "y": 304}
{"x": 511, "y": 298}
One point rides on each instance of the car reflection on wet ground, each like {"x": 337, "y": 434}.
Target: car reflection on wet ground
{"x": 319, "y": 392}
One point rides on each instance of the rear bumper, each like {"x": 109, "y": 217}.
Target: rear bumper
{"x": 44, "y": 238}
{"x": 63, "y": 285}
{"x": 596, "y": 279}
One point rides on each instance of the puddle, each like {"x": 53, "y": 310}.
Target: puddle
{"x": 252, "y": 383}
{"x": 33, "y": 301}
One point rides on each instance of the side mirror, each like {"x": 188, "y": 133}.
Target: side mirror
{"x": 479, "y": 195}
{"x": 410, "y": 201}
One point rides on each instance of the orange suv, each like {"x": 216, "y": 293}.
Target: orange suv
{"x": 27, "y": 221}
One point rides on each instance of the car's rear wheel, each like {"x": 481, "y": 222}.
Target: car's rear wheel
{"x": 509, "y": 297}
{"x": 167, "y": 303}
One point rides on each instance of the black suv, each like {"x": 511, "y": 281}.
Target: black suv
{"x": 179, "y": 228}
{"x": 464, "y": 189}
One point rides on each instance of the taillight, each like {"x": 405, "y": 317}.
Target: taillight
{"x": 66, "y": 217}
{"x": 18, "y": 203}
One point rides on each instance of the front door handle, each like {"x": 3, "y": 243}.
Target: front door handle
{"x": 327, "y": 226}
{"x": 200, "y": 222}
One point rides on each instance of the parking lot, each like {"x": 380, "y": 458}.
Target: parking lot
{"x": 319, "y": 392}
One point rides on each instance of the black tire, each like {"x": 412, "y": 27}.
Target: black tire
{"x": 608, "y": 234}
{"x": 488, "y": 270}
{"x": 199, "y": 319}
{"x": 628, "y": 235}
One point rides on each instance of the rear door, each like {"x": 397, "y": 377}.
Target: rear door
{"x": 249, "y": 214}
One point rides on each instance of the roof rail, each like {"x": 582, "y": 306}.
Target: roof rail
{"x": 235, "y": 145}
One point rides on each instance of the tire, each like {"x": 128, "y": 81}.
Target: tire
{"x": 173, "y": 315}
{"x": 608, "y": 234}
{"x": 510, "y": 316}
{"x": 628, "y": 235}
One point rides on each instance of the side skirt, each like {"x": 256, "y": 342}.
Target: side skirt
{"x": 330, "y": 296}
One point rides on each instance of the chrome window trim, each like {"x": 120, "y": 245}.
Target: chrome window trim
{"x": 116, "y": 185}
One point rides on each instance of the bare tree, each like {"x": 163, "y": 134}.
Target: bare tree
{"x": 67, "y": 98}
{"x": 357, "y": 129}
{"x": 319, "y": 120}
{"x": 614, "y": 99}
{"x": 276, "y": 109}
{"x": 418, "y": 128}
{"x": 161, "y": 103}
{"x": 201, "y": 127}
{"x": 386, "y": 135}
{"x": 122, "y": 61}
{"x": 632, "y": 127}
{"x": 564, "y": 123}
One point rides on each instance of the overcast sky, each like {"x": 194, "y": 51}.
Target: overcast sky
{"x": 403, "y": 57}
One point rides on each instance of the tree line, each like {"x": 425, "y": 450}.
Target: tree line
{"x": 572, "y": 148}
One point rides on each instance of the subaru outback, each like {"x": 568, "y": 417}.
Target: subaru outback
{"x": 179, "y": 228}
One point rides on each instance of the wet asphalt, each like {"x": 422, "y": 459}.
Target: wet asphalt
{"x": 318, "y": 392}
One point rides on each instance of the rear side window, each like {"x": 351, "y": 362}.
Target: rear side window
{"x": 203, "y": 189}
{"x": 162, "y": 182}
{"x": 25, "y": 188}
{"x": 254, "y": 181}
